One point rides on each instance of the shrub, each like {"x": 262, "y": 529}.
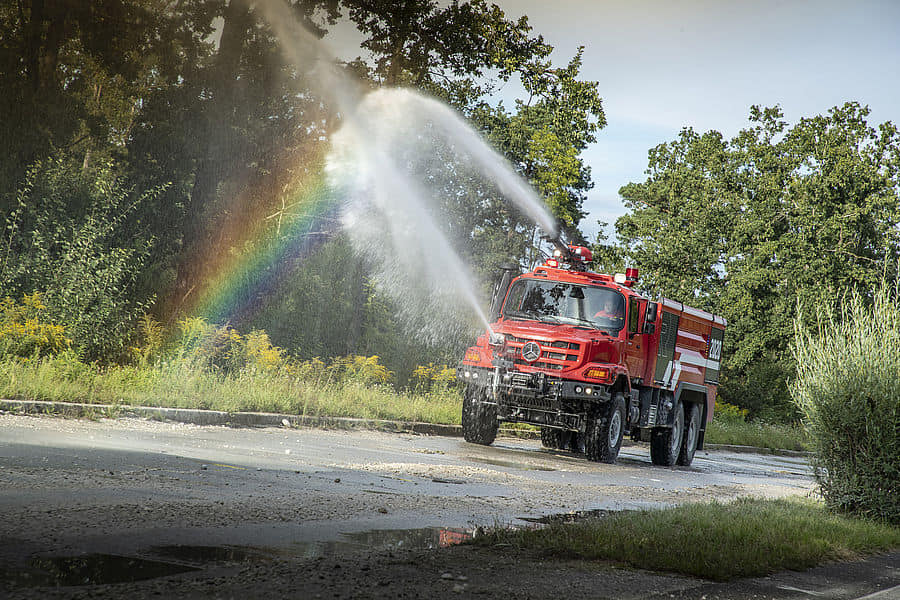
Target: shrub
{"x": 68, "y": 236}
{"x": 848, "y": 391}
{"x": 729, "y": 413}
{"x": 366, "y": 370}
{"x": 430, "y": 377}
{"x": 25, "y": 330}
{"x": 151, "y": 338}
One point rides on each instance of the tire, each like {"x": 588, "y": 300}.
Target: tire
{"x": 479, "y": 420}
{"x": 691, "y": 435}
{"x": 556, "y": 439}
{"x": 578, "y": 443}
{"x": 605, "y": 432}
{"x": 665, "y": 442}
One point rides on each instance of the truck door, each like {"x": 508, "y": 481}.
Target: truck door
{"x": 636, "y": 346}
{"x": 667, "y": 368}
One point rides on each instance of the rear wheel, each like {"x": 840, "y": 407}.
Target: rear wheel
{"x": 605, "y": 432}
{"x": 691, "y": 435}
{"x": 479, "y": 420}
{"x": 557, "y": 439}
{"x": 665, "y": 442}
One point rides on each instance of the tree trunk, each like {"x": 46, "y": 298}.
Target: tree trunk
{"x": 217, "y": 148}
{"x": 33, "y": 43}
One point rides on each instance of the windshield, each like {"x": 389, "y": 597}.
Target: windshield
{"x": 556, "y": 302}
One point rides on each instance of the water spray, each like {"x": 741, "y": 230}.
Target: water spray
{"x": 391, "y": 211}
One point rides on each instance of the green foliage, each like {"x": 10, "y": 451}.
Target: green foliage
{"x": 848, "y": 390}
{"x": 450, "y": 51}
{"x": 69, "y": 239}
{"x": 25, "y": 332}
{"x": 746, "y": 227}
{"x": 199, "y": 94}
{"x": 365, "y": 370}
{"x": 730, "y": 426}
{"x": 218, "y": 349}
{"x": 182, "y": 384}
{"x": 432, "y": 377}
{"x": 151, "y": 338}
{"x": 729, "y": 413}
{"x": 745, "y": 538}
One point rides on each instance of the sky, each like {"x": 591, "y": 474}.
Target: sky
{"x": 663, "y": 65}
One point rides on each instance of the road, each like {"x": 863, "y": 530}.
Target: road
{"x": 217, "y": 501}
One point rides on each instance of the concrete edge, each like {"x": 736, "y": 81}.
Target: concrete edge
{"x": 193, "y": 416}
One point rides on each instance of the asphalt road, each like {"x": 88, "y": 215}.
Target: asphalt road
{"x": 78, "y": 497}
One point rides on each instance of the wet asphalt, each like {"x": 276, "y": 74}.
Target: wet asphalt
{"x": 170, "y": 494}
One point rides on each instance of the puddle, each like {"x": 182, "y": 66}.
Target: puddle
{"x": 212, "y": 554}
{"x": 97, "y": 569}
{"x": 90, "y": 569}
{"x": 510, "y": 464}
{"x": 385, "y": 540}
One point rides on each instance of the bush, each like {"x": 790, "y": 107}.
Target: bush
{"x": 68, "y": 237}
{"x": 366, "y": 370}
{"x": 432, "y": 377}
{"x": 848, "y": 390}
{"x": 219, "y": 348}
{"x": 25, "y": 330}
{"x": 729, "y": 413}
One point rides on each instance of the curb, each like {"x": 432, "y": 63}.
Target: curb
{"x": 756, "y": 450}
{"x": 193, "y": 416}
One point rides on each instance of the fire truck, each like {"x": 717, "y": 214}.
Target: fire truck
{"x": 589, "y": 360}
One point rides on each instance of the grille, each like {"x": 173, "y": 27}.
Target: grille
{"x": 551, "y": 357}
{"x": 541, "y": 365}
{"x": 538, "y": 403}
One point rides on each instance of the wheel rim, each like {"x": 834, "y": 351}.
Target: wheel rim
{"x": 692, "y": 434}
{"x": 677, "y": 431}
{"x": 615, "y": 428}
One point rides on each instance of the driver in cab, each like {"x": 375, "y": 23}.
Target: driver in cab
{"x": 611, "y": 314}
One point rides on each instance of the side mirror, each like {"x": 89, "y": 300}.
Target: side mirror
{"x": 652, "y": 307}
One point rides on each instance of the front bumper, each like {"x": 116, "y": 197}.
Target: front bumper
{"x": 536, "y": 398}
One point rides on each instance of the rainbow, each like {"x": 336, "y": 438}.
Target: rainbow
{"x": 267, "y": 229}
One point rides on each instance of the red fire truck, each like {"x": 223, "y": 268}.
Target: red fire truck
{"x": 589, "y": 359}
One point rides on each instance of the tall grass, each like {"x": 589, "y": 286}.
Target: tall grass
{"x": 747, "y": 537}
{"x": 180, "y": 384}
{"x": 848, "y": 389}
{"x": 730, "y": 426}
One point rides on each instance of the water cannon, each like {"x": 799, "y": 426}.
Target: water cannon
{"x": 577, "y": 257}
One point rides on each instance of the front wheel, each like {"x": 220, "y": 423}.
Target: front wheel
{"x": 603, "y": 438}
{"x": 479, "y": 420}
{"x": 665, "y": 442}
{"x": 691, "y": 436}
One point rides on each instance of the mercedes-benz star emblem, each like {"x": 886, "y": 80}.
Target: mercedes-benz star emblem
{"x": 531, "y": 352}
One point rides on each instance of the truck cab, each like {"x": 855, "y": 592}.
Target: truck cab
{"x": 588, "y": 359}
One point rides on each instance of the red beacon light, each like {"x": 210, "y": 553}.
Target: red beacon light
{"x": 629, "y": 278}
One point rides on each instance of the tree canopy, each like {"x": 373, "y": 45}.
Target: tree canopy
{"x": 196, "y": 101}
{"x": 775, "y": 218}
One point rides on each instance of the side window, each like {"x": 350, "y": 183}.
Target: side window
{"x": 634, "y": 313}
{"x": 514, "y": 299}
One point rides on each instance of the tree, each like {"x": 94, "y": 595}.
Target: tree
{"x": 69, "y": 239}
{"x": 752, "y": 226}
{"x": 459, "y": 53}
